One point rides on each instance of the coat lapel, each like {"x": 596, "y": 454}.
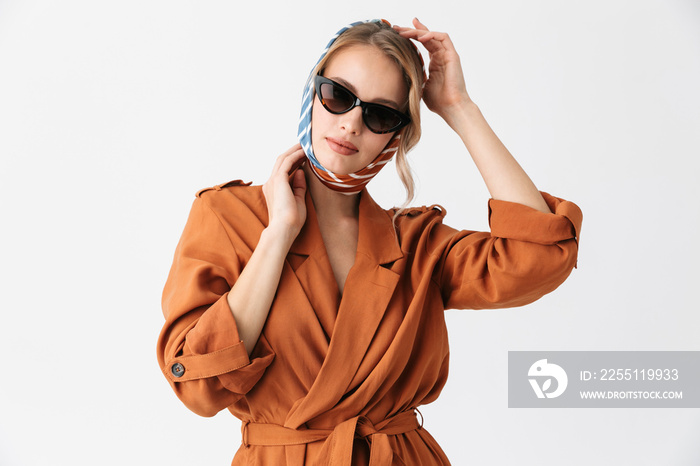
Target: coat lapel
{"x": 368, "y": 290}
{"x": 309, "y": 260}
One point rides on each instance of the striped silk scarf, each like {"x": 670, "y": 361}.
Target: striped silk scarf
{"x": 354, "y": 182}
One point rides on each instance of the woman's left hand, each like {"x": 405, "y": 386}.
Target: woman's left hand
{"x": 445, "y": 89}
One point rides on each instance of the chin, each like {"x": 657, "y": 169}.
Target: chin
{"x": 337, "y": 164}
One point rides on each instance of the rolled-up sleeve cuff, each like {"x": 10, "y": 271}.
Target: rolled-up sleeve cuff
{"x": 200, "y": 366}
{"x": 214, "y": 348}
{"x": 517, "y": 221}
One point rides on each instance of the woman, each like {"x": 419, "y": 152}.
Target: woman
{"x": 314, "y": 315}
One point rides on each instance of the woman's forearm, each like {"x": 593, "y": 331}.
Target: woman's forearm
{"x": 504, "y": 177}
{"x": 251, "y": 296}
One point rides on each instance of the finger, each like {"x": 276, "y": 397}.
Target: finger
{"x": 297, "y": 164}
{"x": 299, "y": 184}
{"x": 281, "y": 158}
{"x": 416, "y": 34}
{"x": 418, "y": 25}
{"x": 423, "y": 36}
{"x": 292, "y": 161}
{"x": 433, "y": 41}
{"x": 421, "y": 32}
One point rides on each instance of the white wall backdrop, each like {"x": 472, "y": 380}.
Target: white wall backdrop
{"x": 113, "y": 114}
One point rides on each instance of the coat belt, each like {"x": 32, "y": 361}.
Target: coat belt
{"x": 337, "y": 449}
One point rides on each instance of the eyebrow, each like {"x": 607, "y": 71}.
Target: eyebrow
{"x": 354, "y": 91}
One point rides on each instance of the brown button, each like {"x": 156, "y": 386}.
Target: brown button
{"x": 177, "y": 369}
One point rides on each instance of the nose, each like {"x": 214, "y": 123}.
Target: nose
{"x": 352, "y": 120}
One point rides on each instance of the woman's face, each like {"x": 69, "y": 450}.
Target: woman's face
{"x": 342, "y": 143}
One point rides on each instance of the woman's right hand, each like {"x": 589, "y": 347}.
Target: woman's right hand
{"x": 285, "y": 195}
{"x": 252, "y": 294}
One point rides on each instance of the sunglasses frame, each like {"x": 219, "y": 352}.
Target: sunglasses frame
{"x": 365, "y": 106}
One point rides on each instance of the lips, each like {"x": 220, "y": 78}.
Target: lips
{"x": 341, "y": 147}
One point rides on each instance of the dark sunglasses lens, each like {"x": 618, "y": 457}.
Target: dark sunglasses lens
{"x": 336, "y": 99}
{"x": 381, "y": 120}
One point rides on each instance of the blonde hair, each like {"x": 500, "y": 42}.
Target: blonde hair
{"x": 386, "y": 39}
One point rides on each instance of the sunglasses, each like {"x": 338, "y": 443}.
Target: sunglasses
{"x": 378, "y": 118}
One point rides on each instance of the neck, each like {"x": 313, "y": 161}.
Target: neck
{"x": 331, "y": 204}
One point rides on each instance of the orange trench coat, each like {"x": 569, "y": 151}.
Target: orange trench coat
{"x": 332, "y": 380}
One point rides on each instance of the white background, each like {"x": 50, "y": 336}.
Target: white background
{"x": 113, "y": 114}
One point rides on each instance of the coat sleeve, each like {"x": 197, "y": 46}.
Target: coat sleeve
{"x": 199, "y": 349}
{"x": 526, "y": 255}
